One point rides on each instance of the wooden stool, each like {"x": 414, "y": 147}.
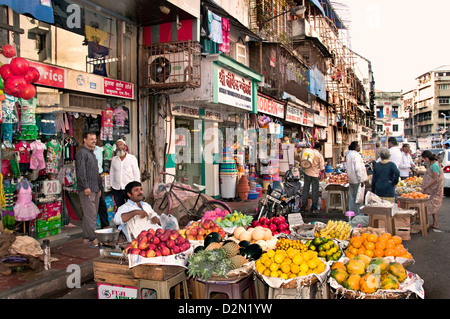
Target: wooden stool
{"x": 388, "y": 221}
{"x": 232, "y": 289}
{"x": 337, "y": 199}
{"x": 162, "y": 287}
{"x": 422, "y": 213}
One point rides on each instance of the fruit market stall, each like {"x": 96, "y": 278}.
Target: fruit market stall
{"x": 233, "y": 254}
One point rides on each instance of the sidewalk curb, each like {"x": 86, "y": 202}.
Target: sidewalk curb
{"x": 52, "y": 282}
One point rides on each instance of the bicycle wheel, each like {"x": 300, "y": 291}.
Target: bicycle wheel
{"x": 166, "y": 202}
{"x": 211, "y": 205}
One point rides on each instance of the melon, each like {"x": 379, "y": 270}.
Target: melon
{"x": 267, "y": 234}
{"x": 245, "y": 235}
{"x": 238, "y": 231}
{"x": 258, "y": 234}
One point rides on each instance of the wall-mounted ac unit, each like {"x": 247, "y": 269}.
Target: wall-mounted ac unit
{"x": 170, "y": 68}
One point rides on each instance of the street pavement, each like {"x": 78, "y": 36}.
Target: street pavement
{"x": 430, "y": 253}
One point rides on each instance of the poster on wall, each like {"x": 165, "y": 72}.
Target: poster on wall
{"x": 234, "y": 89}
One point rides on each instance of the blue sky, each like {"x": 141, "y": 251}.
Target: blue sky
{"x": 403, "y": 39}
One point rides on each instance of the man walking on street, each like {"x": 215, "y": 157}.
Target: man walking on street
{"x": 312, "y": 180}
{"x": 89, "y": 184}
{"x": 357, "y": 175}
{"x": 124, "y": 169}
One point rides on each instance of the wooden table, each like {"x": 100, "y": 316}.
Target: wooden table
{"x": 422, "y": 212}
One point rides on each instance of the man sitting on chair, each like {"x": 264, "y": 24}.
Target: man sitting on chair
{"x": 135, "y": 215}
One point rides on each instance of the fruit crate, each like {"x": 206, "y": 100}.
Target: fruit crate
{"x": 156, "y": 272}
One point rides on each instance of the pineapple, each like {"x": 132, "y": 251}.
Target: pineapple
{"x": 237, "y": 261}
{"x": 231, "y": 249}
{"x": 213, "y": 246}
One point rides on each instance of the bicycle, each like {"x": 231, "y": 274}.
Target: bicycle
{"x": 192, "y": 213}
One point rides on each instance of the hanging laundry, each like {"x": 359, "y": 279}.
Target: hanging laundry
{"x": 225, "y": 45}
{"x": 216, "y": 28}
{"x": 106, "y": 132}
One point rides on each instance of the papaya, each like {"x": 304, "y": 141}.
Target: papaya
{"x": 339, "y": 275}
{"x": 397, "y": 269}
{"x": 378, "y": 265}
{"x": 364, "y": 258}
{"x": 355, "y": 267}
{"x": 338, "y": 264}
{"x": 369, "y": 283}
{"x": 352, "y": 282}
{"x": 389, "y": 281}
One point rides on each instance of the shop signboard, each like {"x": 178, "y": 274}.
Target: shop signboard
{"x": 270, "y": 106}
{"x": 320, "y": 120}
{"x": 118, "y": 88}
{"x": 299, "y": 116}
{"x": 186, "y": 110}
{"x": 50, "y": 75}
{"x": 234, "y": 90}
{"x": 213, "y": 115}
{"x": 85, "y": 82}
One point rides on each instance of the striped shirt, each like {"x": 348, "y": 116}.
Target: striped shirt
{"x": 86, "y": 166}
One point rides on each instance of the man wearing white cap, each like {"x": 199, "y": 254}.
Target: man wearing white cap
{"x": 124, "y": 169}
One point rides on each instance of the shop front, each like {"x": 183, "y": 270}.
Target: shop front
{"x": 221, "y": 112}
{"x": 47, "y": 134}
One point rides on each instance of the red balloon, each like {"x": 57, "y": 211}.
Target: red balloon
{"x": 19, "y": 66}
{"x": 5, "y": 71}
{"x": 14, "y": 85}
{"x": 8, "y": 50}
{"x": 28, "y": 93}
{"x": 32, "y": 75}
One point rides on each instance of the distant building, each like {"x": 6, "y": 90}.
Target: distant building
{"x": 389, "y": 116}
{"x": 428, "y": 104}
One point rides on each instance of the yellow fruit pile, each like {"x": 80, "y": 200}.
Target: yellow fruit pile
{"x": 285, "y": 244}
{"x": 335, "y": 229}
{"x": 290, "y": 263}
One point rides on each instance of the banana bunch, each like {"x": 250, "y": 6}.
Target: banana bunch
{"x": 335, "y": 229}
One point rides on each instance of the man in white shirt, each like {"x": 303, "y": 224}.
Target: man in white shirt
{"x": 139, "y": 214}
{"x": 396, "y": 153}
{"x": 124, "y": 169}
{"x": 406, "y": 163}
{"x": 357, "y": 175}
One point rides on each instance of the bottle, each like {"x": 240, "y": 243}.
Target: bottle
{"x": 46, "y": 248}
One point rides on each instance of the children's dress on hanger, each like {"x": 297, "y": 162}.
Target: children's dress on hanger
{"x": 25, "y": 209}
{"x": 37, "y": 160}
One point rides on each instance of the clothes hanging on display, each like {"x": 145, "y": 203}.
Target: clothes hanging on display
{"x": 225, "y": 45}
{"x": 37, "y": 160}
{"x": 24, "y": 208}
{"x": 106, "y": 133}
{"x": 54, "y": 149}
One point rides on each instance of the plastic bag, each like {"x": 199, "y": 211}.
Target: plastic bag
{"x": 360, "y": 194}
{"x": 168, "y": 221}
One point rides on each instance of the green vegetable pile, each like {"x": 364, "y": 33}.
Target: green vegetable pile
{"x": 234, "y": 220}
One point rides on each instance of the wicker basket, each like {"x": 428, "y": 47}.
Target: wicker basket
{"x": 233, "y": 276}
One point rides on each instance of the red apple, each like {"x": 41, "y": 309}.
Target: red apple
{"x": 158, "y": 253}
{"x": 164, "y": 237}
{"x": 201, "y": 231}
{"x": 150, "y": 253}
{"x": 159, "y": 231}
{"x": 135, "y": 251}
{"x": 151, "y": 247}
{"x": 143, "y": 253}
{"x": 194, "y": 231}
{"x": 200, "y": 237}
{"x": 128, "y": 248}
{"x": 170, "y": 243}
{"x": 151, "y": 231}
{"x": 176, "y": 250}
{"x": 143, "y": 233}
{"x": 143, "y": 244}
{"x": 155, "y": 240}
{"x": 190, "y": 237}
{"x": 165, "y": 251}
{"x": 134, "y": 243}
{"x": 179, "y": 240}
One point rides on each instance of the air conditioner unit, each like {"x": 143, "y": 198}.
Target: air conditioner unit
{"x": 170, "y": 68}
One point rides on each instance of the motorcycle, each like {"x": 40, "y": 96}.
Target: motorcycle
{"x": 282, "y": 199}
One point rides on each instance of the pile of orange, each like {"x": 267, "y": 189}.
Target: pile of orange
{"x": 415, "y": 195}
{"x": 376, "y": 246}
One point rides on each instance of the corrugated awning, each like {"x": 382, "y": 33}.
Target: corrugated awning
{"x": 39, "y": 9}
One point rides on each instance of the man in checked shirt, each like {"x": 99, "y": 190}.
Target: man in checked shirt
{"x": 89, "y": 184}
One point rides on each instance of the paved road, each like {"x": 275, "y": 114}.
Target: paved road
{"x": 431, "y": 255}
